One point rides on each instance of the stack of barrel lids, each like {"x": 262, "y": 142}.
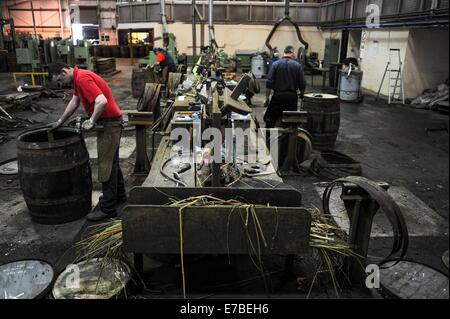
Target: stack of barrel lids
{"x": 105, "y": 66}
{"x": 54, "y": 175}
{"x": 25, "y": 279}
{"x": 98, "y": 278}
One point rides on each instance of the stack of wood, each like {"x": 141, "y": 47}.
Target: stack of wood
{"x": 105, "y": 66}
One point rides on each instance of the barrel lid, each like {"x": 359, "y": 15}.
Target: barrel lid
{"x": 355, "y": 72}
{"x": 412, "y": 280}
{"x": 97, "y": 278}
{"x": 25, "y": 279}
{"x": 320, "y": 96}
{"x": 9, "y": 168}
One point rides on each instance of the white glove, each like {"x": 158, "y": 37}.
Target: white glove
{"x": 55, "y": 125}
{"x": 88, "y": 125}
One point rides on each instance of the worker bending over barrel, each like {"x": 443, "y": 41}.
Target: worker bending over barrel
{"x": 104, "y": 114}
{"x": 164, "y": 63}
{"x": 285, "y": 79}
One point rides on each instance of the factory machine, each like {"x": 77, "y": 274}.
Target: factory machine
{"x": 203, "y": 155}
{"x": 212, "y": 154}
{"x": 64, "y": 50}
{"x": 82, "y": 57}
{"x": 28, "y": 54}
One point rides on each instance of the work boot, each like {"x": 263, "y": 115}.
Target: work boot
{"x": 120, "y": 206}
{"x": 97, "y": 215}
{"x": 119, "y": 202}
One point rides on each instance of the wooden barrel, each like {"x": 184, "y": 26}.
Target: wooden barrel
{"x": 146, "y": 50}
{"x": 115, "y": 51}
{"x": 99, "y": 51}
{"x": 96, "y": 51}
{"x": 323, "y": 119}
{"x": 135, "y": 51}
{"x": 55, "y": 176}
{"x": 137, "y": 82}
{"x": 124, "y": 51}
{"x": 142, "y": 51}
{"x": 107, "y": 52}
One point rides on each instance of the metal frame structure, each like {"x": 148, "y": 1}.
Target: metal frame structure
{"x": 225, "y": 12}
{"x": 330, "y": 14}
{"x": 352, "y": 13}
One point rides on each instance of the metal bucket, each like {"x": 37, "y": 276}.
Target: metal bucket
{"x": 350, "y": 86}
{"x": 258, "y": 66}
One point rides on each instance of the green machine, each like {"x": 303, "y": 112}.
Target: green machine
{"x": 28, "y": 54}
{"x": 64, "y": 50}
{"x": 244, "y": 58}
{"x": 229, "y": 64}
{"x": 82, "y": 57}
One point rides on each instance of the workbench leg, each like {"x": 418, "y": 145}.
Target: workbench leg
{"x": 142, "y": 164}
{"x": 288, "y": 267}
{"x": 138, "y": 276}
{"x": 139, "y": 263}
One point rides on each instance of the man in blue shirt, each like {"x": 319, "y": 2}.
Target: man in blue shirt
{"x": 285, "y": 79}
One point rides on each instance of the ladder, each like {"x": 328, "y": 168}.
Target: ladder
{"x": 396, "y": 91}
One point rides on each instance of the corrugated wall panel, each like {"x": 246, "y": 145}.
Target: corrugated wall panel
{"x": 410, "y": 6}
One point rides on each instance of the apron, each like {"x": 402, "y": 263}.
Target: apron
{"x": 280, "y": 101}
{"x": 108, "y": 141}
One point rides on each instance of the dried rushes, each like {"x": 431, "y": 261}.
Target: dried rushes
{"x": 106, "y": 239}
{"x": 331, "y": 243}
{"x": 325, "y": 234}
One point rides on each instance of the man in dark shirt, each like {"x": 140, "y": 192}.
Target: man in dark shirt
{"x": 285, "y": 78}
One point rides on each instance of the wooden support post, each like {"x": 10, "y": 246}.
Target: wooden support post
{"x": 361, "y": 209}
{"x": 142, "y": 164}
{"x": 216, "y": 121}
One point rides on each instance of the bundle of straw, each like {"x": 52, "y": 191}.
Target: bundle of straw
{"x": 106, "y": 240}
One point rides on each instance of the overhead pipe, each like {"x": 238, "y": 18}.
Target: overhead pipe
{"x": 212, "y": 40}
{"x": 202, "y": 27}
{"x": 34, "y": 21}
{"x": 61, "y": 18}
{"x": 194, "y": 32}
{"x": 279, "y": 22}
{"x": 164, "y": 24}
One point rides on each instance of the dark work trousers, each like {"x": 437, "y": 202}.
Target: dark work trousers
{"x": 114, "y": 189}
{"x": 281, "y": 101}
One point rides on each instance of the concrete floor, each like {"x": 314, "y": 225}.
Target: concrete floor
{"x": 391, "y": 142}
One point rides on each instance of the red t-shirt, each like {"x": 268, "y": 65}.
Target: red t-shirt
{"x": 160, "y": 57}
{"x": 87, "y": 86}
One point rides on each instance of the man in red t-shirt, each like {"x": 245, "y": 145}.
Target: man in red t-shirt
{"x": 99, "y": 103}
{"x": 164, "y": 64}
